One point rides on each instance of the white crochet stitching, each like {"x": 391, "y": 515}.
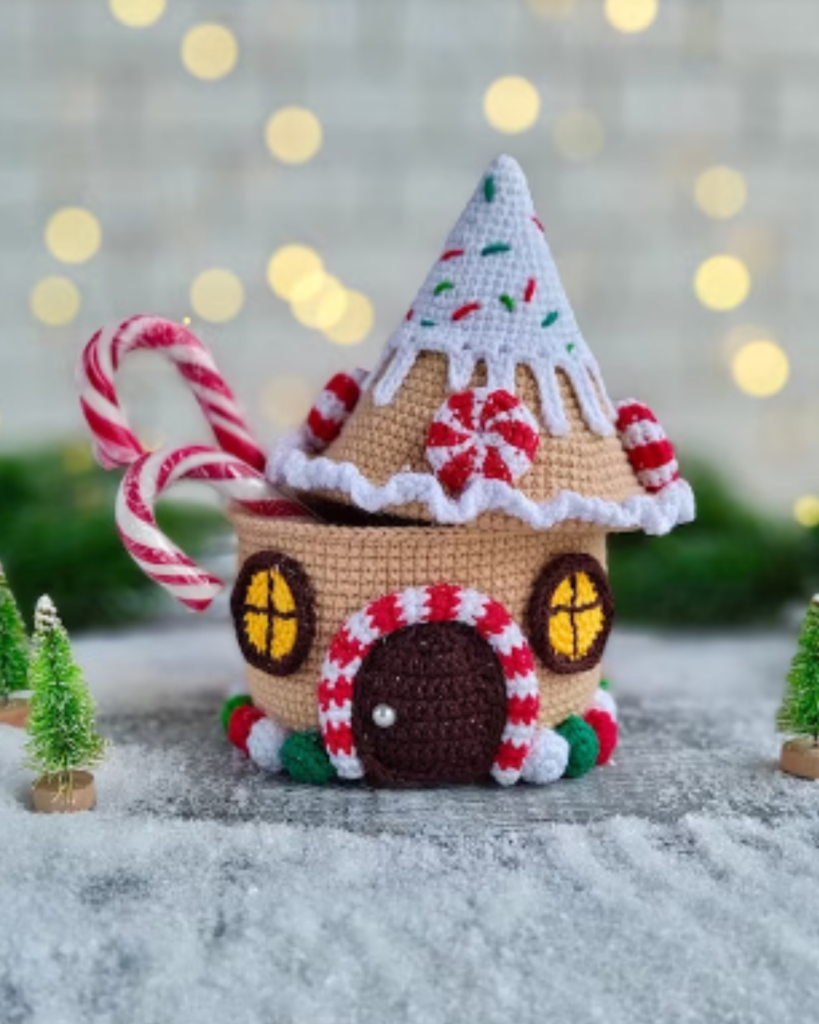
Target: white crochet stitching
{"x": 654, "y": 513}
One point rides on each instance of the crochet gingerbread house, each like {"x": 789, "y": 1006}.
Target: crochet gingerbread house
{"x": 446, "y": 619}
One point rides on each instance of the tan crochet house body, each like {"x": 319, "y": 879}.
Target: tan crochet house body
{"x": 448, "y": 618}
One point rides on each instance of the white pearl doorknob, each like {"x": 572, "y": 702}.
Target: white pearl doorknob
{"x": 384, "y": 716}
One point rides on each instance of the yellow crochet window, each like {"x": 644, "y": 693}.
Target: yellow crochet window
{"x": 570, "y": 613}
{"x": 273, "y": 613}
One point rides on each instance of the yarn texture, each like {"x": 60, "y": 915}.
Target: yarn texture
{"x": 304, "y": 758}
{"x": 548, "y": 758}
{"x": 584, "y": 747}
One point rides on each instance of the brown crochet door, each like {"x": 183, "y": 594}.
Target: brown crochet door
{"x": 429, "y": 706}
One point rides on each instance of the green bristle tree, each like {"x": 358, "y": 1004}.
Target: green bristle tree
{"x": 14, "y": 650}
{"x": 799, "y": 713}
{"x": 62, "y": 734}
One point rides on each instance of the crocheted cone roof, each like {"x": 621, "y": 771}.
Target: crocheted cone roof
{"x": 495, "y": 296}
{"x": 492, "y": 314}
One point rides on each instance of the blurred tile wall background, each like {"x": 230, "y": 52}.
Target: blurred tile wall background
{"x": 161, "y": 130}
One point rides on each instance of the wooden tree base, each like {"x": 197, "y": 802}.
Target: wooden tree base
{"x": 14, "y": 712}
{"x": 80, "y": 796}
{"x": 800, "y": 757}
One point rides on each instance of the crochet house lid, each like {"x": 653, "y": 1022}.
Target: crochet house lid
{"x": 488, "y": 399}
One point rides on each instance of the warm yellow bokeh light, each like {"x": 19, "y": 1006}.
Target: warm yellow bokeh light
{"x": 289, "y": 265}
{"x": 356, "y": 323}
{"x": 760, "y": 368}
{"x": 578, "y": 135}
{"x": 287, "y": 400}
{"x": 720, "y": 192}
{"x": 722, "y": 282}
{"x": 293, "y": 134}
{"x": 209, "y": 51}
{"x": 511, "y": 104}
{"x": 308, "y": 286}
{"x": 325, "y": 307}
{"x": 217, "y": 295}
{"x": 740, "y": 335}
{"x": 806, "y": 510}
{"x": 137, "y": 13}
{"x": 73, "y": 235}
{"x": 55, "y": 301}
{"x": 631, "y": 15}
{"x": 557, "y": 9}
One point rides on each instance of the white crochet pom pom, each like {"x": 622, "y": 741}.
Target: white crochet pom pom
{"x": 264, "y": 744}
{"x": 604, "y": 701}
{"x": 547, "y": 758}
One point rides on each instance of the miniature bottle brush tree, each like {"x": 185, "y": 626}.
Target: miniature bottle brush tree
{"x": 63, "y": 741}
{"x": 14, "y": 654}
{"x": 799, "y": 713}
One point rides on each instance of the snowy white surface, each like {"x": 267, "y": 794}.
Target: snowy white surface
{"x": 679, "y": 885}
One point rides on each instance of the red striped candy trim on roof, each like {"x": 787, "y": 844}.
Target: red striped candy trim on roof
{"x": 441, "y": 602}
{"x": 333, "y": 408}
{"x": 649, "y": 451}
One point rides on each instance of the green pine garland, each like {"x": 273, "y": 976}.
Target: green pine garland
{"x": 799, "y": 713}
{"x": 13, "y": 644}
{"x": 62, "y": 735}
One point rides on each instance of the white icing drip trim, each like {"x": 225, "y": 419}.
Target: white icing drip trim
{"x": 653, "y": 513}
{"x": 501, "y": 359}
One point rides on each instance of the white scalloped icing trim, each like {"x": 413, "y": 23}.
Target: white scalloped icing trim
{"x": 655, "y": 514}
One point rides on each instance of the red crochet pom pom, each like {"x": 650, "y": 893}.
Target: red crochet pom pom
{"x": 241, "y": 722}
{"x": 606, "y": 729}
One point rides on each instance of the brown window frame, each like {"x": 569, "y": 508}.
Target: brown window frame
{"x": 305, "y": 611}
{"x": 540, "y": 611}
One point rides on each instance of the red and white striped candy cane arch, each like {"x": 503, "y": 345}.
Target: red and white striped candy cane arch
{"x": 441, "y": 602}
{"x": 153, "y": 474}
{"x": 114, "y": 441}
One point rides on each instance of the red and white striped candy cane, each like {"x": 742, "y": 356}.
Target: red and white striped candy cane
{"x": 154, "y": 473}
{"x": 649, "y": 451}
{"x": 115, "y": 443}
{"x": 333, "y": 408}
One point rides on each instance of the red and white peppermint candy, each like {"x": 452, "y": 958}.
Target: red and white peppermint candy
{"x": 333, "y": 408}
{"x": 481, "y": 435}
{"x": 153, "y": 474}
{"x": 649, "y": 451}
{"x": 441, "y": 602}
{"x": 114, "y": 441}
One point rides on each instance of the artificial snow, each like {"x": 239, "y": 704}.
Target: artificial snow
{"x": 679, "y": 884}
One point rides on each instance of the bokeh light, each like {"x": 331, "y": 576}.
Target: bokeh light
{"x": 631, "y": 15}
{"x": 290, "y": 265}
{"x": 55, "y": 301}
{"x": 209, "y": 51}
{"x": 722, "y": 282}
{"x": 760, "y": 368}
{"x": 293, "y": 135}
{"x": 287, "y": 400}
{"x": 806, "y": 510}
{"x": 578, "y": 135}
{"x": 217, "y": 295}
{"x": 325, "y": 307}
{"x": 720, "y": 192}
{"x": 511, "y": 104}
{"x": 557, "y": 9}
{"x": 137, "y": 13}
{"x": 73, "y": 235}
{"x": 356, "y": 323}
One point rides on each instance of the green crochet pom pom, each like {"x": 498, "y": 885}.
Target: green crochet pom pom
{"x": 584, "y": 746}
{"x": 230, "y": 706}
{"x": 305, "y": 759}
{"x": 605, "y": 684}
